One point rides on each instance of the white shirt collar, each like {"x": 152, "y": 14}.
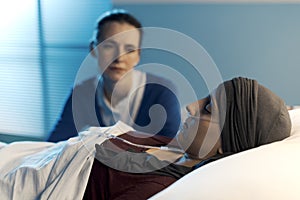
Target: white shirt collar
{"x": 127, "y": 109}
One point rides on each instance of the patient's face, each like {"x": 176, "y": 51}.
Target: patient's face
{"x": 197, "y": 126}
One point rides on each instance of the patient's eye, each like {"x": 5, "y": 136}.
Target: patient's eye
{"x": 207, "y": 106}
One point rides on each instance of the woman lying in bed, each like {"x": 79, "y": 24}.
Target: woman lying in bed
{"x": 239, "y": 115}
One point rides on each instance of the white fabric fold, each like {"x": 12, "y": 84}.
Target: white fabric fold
{"x": 44, "y": 170}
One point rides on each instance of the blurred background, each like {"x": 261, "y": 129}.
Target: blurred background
{"x": 44, "y": 42}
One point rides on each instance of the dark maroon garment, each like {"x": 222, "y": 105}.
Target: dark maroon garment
{"x": 106, "y": 183}
{"x": 110, "y": 184}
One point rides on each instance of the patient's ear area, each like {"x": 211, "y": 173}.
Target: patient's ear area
{"x": 219, "y": 146}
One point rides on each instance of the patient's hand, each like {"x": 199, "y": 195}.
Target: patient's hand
{"x": 165, "y": 155}
{"x": 173, "y": 157}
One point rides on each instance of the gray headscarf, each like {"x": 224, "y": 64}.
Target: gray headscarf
{"x": 254, "y": 115}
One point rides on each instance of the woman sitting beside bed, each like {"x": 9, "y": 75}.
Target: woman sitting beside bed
{"x": 239, "y": 115}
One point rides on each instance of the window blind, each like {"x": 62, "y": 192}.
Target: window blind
{"x": 42, "y": 45}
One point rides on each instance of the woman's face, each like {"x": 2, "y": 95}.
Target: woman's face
{"x": 200, "y": 133}
{"x": 118, "y": 53}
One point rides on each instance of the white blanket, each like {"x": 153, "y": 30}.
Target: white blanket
{"x": 44, "y": 170}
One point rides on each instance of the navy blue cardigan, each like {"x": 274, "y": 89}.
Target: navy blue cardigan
{"x": 157, "y": 91}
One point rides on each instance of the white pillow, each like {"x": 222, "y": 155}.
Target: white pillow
{"x": 267, "y": 172}
{"x": 295, "y": 118}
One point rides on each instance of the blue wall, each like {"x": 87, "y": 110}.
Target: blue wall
{"x": 260, "y": 41}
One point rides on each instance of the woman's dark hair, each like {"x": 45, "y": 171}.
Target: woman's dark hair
{"x": 116, "y": 15}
